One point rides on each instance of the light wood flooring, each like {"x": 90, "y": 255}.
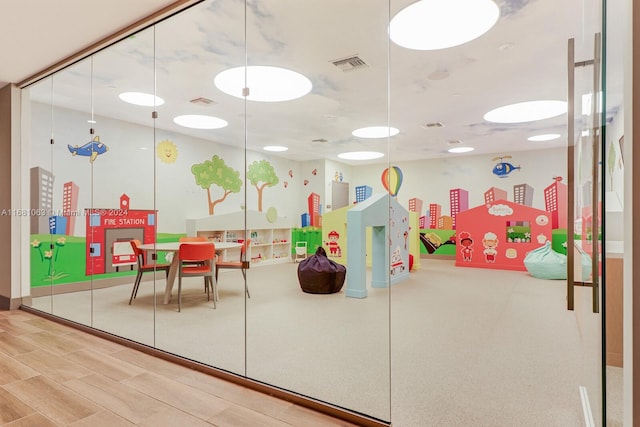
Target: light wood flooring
{"x": 55, "y": 375}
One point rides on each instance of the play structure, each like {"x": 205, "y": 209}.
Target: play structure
{"x": 109, "y": 231}
{"x": 377, "y": 232}
{"x": 499, "y": 235}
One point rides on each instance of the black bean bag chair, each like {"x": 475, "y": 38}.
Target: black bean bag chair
{"x": 320, "y": 275}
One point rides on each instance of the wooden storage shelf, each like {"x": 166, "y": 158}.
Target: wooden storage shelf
{"x": 267, "y": 245}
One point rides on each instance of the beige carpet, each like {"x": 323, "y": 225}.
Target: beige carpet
{"x": 447, "y": 347}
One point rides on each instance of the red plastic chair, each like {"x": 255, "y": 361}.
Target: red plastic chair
{"x": 186, "y": 239}
{"x": 197, "y": 260}
{"x": 242, "y": 264}
{"x": 143, "y": 267}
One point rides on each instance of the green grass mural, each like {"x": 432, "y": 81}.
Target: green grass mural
{"x": 57, "y": 259}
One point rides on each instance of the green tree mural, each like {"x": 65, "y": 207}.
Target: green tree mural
{"x": 261, "y": 174}
{"x": 216, "y": 171}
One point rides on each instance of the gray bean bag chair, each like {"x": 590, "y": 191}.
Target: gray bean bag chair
{"x": 320, "y": 275}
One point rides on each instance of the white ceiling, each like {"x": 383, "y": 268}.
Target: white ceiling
{"x": 35, "y": 34}
{"x": 522, "y": 58}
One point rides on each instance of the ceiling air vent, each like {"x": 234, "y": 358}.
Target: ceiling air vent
{"x": 202, "y": 101}
{"x": 350, "y": 63}
{"x": 432, "y": 125}
{"x": 321, "y": 140}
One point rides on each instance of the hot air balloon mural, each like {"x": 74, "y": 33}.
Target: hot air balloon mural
{"x": 392, "y": 180}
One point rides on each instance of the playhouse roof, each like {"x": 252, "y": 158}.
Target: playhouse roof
{"x": 513, "y": 207}
{"x": 377, "y": 201}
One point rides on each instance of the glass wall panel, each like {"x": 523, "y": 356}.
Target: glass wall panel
{"x": 123, "y": 187}
{"x": 330, "y": 346}
{"x": 56, "y": 175}
{"x": 613, "y": 164}
{"x": 439, "y": 320}
{"x": 488, "y": 336}
{"x": 199, "y": 164}
{"x": 39, "y": 105}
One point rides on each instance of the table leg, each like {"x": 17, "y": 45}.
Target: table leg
{"x": 171, "y": 278}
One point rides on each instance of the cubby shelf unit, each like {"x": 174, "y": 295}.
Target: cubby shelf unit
{"x": 270, "y": 241}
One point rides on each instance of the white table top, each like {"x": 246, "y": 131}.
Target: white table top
{"x": 174, "y": 246}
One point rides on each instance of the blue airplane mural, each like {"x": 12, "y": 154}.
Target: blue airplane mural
{"x": 91, "y": 149}
{"x": 503, "y": 169}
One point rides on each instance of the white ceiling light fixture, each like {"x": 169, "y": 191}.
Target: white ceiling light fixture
{"x": 526, "y": 111}
{"x": 440, "y": 24}
{"x": 375, "y": 132}
{"x": 195, "y": 121}
{"x": 276, "y": 148}
{"x": 142, "y": 99}
{"x": 361, "y": 155}
{"x": 545, "y": 137}
{"x": 266, "y": 84}
{"x": 459, "y": 150}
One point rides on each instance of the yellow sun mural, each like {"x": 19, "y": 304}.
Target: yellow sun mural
{"x": 167, "y": 151}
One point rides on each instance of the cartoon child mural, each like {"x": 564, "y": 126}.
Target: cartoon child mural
{"x": 490, "y": 242}
{"x": 466, "y": 242}
{"x": 334, "y": 248}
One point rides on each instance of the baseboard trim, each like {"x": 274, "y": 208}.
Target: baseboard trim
{"x": 7, "y": 303}
{"x": 298, "y": 399}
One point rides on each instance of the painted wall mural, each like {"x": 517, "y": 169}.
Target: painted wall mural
{"x": 392, "y": 180}
{"x": 216, "y": 171}
{"x": 261, "y": 174}
{"x": 502, "y": 169}
{"x": 167, "y": 151}
{"x": 91, "y": 149}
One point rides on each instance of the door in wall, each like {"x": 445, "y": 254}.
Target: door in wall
{"x": 339, "y": 194}
{"x": 585, "y": 238}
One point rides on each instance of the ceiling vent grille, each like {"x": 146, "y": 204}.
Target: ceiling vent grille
{"x": 350, "y": 63}
{"x": 321, "y": 140}
{"x": 202, "y": 101}
{"x": 432, "y": 125}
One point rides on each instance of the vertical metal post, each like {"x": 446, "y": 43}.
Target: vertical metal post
{"x": 570, "y": 172}
{"x": 596, "y": 134}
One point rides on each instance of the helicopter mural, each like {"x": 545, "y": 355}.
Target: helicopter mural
{"x": 502, "y": 169}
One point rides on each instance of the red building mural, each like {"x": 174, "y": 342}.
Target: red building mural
{"x": 493, "y": 240}
{"x": 109, "y": 231}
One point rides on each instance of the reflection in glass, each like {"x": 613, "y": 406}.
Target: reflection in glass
{"x": 38, "y": 104}
{"x": 123, "y": 203}
{"x": 331, "y": 347}
{"x": 199, "y": 178}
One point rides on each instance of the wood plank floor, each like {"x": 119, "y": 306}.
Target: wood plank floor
{"x": 55, "y": 375}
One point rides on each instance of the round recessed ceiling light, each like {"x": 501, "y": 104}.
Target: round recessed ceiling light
{"x": 526, "y": 112}
{"x": 375, "y": 132}
{"x": 545, "y": 137}
{"x": 266, "y": 84}
{"x": 275, "y": 148}
{"x": 143, "y": 99}
{"x": 439, "y": 24}
{"x": 460, "y": 149}
{"x": 196, "y": 121}
{"x": 360, "y": 155}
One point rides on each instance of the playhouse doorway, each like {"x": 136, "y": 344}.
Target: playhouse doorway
{"x": 117, "y": 243}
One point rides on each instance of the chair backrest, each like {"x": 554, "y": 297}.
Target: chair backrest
{"x": 193, "y": 239}
{"x": 139, "y": 253}
{"x": 196, "y": 252}
{"x": 243, "y": 249}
